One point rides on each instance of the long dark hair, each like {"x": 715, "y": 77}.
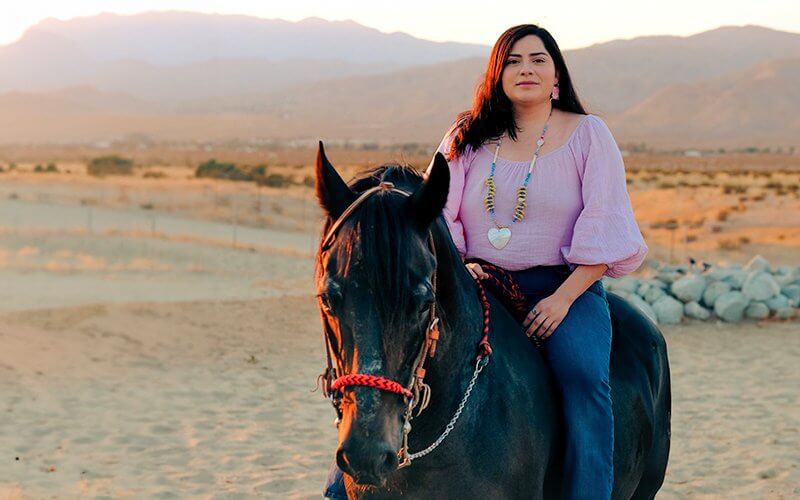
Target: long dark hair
{"x": 492, "y": 113}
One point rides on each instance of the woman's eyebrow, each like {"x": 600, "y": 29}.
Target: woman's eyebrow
{"x": 531, "y": 54}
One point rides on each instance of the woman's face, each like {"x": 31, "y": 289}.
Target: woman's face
{"x": 529, "y": 73}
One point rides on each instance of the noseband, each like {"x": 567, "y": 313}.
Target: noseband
{"x": 415, "y": 392}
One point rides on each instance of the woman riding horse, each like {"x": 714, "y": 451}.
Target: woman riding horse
{"x": 579, "y": 226}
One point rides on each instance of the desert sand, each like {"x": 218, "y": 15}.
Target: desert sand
{"x": 162, "y": 364}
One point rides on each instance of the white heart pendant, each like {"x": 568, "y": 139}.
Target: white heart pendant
{"x": 499, "y": 237}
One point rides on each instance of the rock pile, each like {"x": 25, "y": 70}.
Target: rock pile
{"x": 730, "y": 293}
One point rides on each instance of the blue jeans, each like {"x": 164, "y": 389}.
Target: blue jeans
{"x": 578, "y": 353}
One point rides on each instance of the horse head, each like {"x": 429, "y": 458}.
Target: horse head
{"x": 375, "y": 279}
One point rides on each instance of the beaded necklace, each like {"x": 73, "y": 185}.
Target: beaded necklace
{"x": 500, "y": 235}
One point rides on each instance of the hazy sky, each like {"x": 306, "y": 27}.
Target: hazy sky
{"x": 577, "y": 23}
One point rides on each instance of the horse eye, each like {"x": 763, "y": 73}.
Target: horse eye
{"x": 426, "y": 307}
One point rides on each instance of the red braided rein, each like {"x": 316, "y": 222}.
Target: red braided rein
{"x": 376, "y": 381}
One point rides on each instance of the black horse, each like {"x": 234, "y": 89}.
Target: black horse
{"x": 375, "y": 284}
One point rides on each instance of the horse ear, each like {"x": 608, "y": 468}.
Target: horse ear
{"x": 333, "y": 194}
{"x": 429, "y": 199}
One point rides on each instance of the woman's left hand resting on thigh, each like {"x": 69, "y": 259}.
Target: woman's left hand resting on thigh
{"x": 543, "y": 319}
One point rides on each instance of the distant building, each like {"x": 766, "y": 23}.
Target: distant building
{"x": 692, "y": 152}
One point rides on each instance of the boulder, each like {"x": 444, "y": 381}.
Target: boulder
{"x": 689, "y": 288}
{"x": 784, "y": 279}
{"x": 793, "y": 292}
{"x": 696, "y": 311}
{"x": 760, "y": 286}
{"x": 669, "y": 276}
{"x": 716, "y": 274}
{"x": 785, "y": 313}
{"x": 643, "y": 288}
{"x": 757, "y": 263}
{"x": 730, "y": 306}
{"x": 779, "y": 301}
{"x": 736, "y": 278}
{"x": 625, "y": 284}
{"x": 757, "y": 310}
{"x": 655, "y": 282}
{"x": 653, "y": 294}
{"x": 668, "y": 310}
{"x": 714, "y": 290}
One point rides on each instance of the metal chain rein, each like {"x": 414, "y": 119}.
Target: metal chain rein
{"x": 479, "y": 365}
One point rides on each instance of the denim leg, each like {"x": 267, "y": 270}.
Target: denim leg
{"x": 579, "y": 352}
{"x": 334, "y": 487}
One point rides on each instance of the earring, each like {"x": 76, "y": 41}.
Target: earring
{"x": 554, "y": 95}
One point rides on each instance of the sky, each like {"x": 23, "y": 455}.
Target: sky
{"x": 574, "y": 24}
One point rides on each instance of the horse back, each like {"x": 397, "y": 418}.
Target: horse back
{"x": 641, "y": 397}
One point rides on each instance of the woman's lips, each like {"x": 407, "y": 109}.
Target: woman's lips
{"x": 526, "y": 84}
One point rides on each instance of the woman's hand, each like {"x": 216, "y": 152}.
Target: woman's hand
{"x": 546, "y": 315}
{"x": 475, "y": 271}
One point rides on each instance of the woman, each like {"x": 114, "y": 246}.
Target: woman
{"x": 538, "y": 188}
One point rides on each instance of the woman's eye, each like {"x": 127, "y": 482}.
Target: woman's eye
{"x": 539, "y": 60}
{"x": 512, "y": 61}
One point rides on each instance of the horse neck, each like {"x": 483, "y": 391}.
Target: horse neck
{"x": 449, "y": 371}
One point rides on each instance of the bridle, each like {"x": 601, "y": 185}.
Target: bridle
{"x": 416, "y": 392}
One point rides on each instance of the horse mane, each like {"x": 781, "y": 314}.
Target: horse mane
{"x": 382, "y": 218}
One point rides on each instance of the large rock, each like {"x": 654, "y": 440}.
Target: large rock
{"x": 785, "y": 313}
{"x": 690, "y": 288}
{"x": 716, "y": 273}
{"x": 714, "y": 290}
{"x": 625, "y": 284}
{"x": 760, "y": 286}
{"x": 653, "y": 294}
{"x": 785, "y": 279}
{"x": 757, "y": 263}
{"x": 736, "y": 278}
{"x": 757, "y": 310}
{"x": 655, "y": 282}
{"x": 669, "y": 276}
{"x": 793, "y": 292}
{"x": 644, "y": 307}
{"x": 779, "y": 301}
{"x": 668, "y": 310}
{"x": 696, "y": 311}
{"x": 643, "y": 288}
{"x": 730, "y": 306}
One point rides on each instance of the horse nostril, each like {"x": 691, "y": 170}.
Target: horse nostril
{"x": 343, "y": 462}
{"x": 389, "y": 462}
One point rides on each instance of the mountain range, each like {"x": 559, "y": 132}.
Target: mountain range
{"x": 188, "y": 76}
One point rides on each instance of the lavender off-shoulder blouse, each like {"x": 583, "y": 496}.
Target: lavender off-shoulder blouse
{"x": 578, "y": 208}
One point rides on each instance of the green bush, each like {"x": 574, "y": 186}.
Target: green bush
{"x": 109, "y": 165}
{"x": 213, "y": 169}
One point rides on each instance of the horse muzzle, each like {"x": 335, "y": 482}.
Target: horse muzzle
{"x": 368, "y": 463}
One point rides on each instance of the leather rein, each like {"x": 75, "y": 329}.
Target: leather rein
{"x": 416, "y": 392}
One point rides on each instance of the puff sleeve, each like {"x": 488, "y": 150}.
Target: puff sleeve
{"x": 455, "y": 192}
{"x": 605, "y": 231}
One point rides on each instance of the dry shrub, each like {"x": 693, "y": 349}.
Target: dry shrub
{"x": 109, "y": 165}
{"x": 728, "y": 244}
